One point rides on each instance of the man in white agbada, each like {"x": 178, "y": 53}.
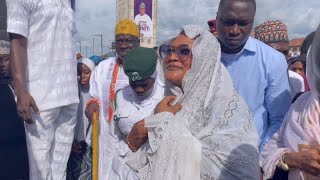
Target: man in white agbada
{"x": 45, "y": 76}
{"x": 144, "y": 22}
{"x": 107, "y": 78}
{"x": 133, "y": 103}
{"x": 212, "y": 136}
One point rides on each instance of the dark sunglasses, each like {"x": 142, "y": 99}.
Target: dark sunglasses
{"x": 232, "y": 22}
{"x": 143, "y": 84}
{"x": 182, "y": 51}
{"x": 126, "y": 41}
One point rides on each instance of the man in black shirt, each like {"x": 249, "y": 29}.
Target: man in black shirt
{"x": 13, "y": 149}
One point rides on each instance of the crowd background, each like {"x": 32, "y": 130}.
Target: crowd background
{"x": 292, "y": 13}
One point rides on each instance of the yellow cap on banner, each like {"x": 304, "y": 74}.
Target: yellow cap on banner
{"x": 126, "y": 26}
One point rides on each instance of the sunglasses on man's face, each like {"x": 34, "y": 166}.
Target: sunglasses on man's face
{"x": 182, "y": 51}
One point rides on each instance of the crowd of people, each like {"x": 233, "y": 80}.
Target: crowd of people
{"x": 203, "y": 106}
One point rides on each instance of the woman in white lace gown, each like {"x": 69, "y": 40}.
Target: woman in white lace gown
{"x": 212, "y": 136}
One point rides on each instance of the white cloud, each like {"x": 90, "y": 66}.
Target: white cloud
{"x": 98, "y": 16}
{"x": 95, "y": 17}
{"x": 301, "y": 17}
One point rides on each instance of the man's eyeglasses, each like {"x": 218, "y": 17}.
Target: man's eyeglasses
{"x": 141, "y": 85}
{"x": 126, "y": 41}
{"x": 232, "y": 22}
{"x": 182, "y": 51}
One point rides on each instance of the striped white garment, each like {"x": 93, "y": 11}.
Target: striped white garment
{"x": 48, "y": 25}
{"x": 49, "y": 142}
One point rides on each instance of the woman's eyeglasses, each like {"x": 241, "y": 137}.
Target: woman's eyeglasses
{"x": 182, "y": 51}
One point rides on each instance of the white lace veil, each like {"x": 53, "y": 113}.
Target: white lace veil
{"x": 204, "y": 85}
{"x": 214, "y": 125}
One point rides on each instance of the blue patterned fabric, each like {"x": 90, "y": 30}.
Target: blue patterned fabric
{"x": 79, "y": 165}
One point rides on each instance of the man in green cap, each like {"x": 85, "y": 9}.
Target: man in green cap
{"x": 132, "y": 104}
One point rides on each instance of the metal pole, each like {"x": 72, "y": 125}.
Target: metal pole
{"x": 101, "y": 47}
{"x": 79, "y": 45}
{"x": 86, "y": 51}
{"x": 93, "y": 46}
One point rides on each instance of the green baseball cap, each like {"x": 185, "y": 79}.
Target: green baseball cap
{"x": 140, "y": 63}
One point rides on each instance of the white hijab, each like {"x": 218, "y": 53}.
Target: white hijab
{"x": 213, "y": 135}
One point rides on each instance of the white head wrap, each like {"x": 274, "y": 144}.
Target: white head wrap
{"x": 88, "y": 62}
{"x": 4, "y": 47}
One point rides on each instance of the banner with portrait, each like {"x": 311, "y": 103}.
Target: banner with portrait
{"x": 143, "y": 17}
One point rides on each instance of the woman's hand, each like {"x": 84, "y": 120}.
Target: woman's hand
{"x": 137, "y": 136}
{"x": 165, "y": 105}
{"x": 306, "y": 160}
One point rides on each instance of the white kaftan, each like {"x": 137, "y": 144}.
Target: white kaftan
{"x": 99, "y": 88}
{"x": 129, "y": 111}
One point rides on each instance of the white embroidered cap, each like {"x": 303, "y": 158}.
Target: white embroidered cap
{"x": 4, "y": 47}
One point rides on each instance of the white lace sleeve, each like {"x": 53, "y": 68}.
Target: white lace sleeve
{"x": 176, "y": 153}
{"x": 156, "y": 126}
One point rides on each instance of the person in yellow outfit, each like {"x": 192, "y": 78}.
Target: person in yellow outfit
{"x": 106, "y": 79}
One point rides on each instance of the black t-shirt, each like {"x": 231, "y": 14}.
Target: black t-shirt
{"x": 13, "y": 148}
{"x": 11, "y": 126}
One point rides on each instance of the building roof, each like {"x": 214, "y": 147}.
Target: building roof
{"x": 297, "y": 42}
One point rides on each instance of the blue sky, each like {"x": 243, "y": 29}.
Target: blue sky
{"x": 98, "y": 17}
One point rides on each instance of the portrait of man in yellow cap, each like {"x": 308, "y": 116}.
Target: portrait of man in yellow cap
{"x": 108, "y": 77}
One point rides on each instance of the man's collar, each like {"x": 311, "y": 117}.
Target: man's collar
{"x": 250, "y": 46}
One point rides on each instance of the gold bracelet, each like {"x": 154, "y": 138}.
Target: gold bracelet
{"x": 281, "y": 164}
